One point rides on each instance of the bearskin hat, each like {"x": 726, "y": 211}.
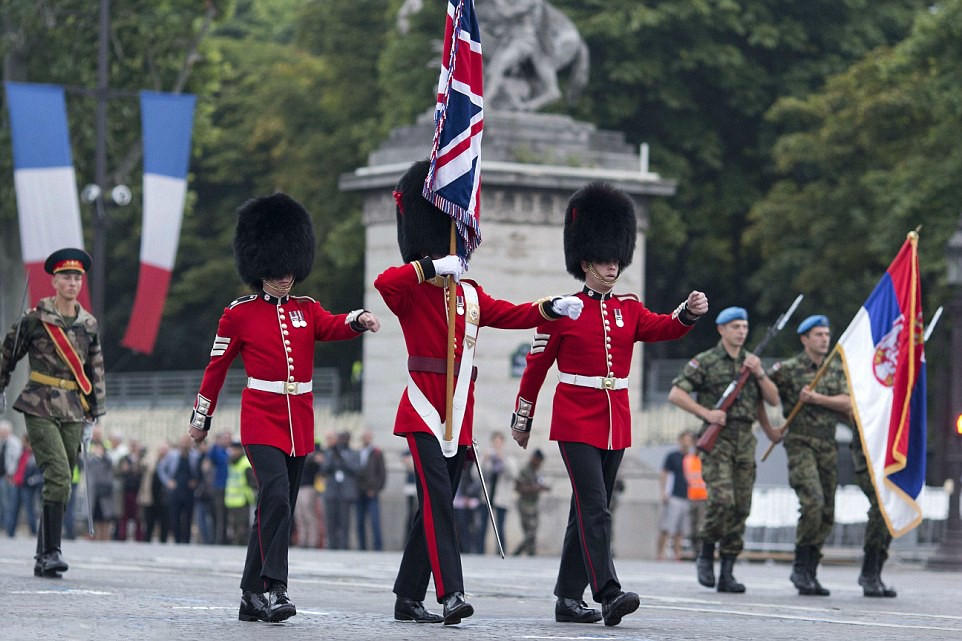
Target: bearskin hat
{"x": 600, "y": 225}
{"x": 422, "y": 229}
{"x": 274, "y": 237}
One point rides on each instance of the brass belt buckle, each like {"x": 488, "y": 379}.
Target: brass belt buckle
{"x": 608, "y": 382}
{"x": 290, "y": 388}
{"x": 62, "y": 383}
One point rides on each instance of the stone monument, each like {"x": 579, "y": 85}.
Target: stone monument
{"x": 531, "y": 164}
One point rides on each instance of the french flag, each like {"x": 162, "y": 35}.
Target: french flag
{"x": 44, "y": 180}
{"x": 453, "y": 183}
{"x": 166, "y": 121}
{"x": 884, "y": 356}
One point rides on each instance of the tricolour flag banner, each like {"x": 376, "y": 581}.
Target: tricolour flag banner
{"x": 44, "y": 180}
{"x": 454, "y": 179}
{"x": 884, "y": 357}
{"x": 166, "y": 121}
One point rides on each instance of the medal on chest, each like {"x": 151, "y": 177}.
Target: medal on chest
{"x": 619, "y": 321}
{"x": 297, "y": 319}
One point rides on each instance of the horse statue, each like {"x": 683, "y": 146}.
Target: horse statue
{"x": 525, "y": 44}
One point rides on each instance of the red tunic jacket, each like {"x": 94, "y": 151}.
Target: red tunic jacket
{"x": 596, "y": 344}
{"x": 275, "y": 338}
{"x": 419, "y": 303}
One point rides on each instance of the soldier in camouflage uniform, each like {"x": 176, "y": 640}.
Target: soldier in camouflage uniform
{"x": 729, "y": 470}
{"x": 529, "y": 486}
{"x": 66, "y": 385}
{"x": 877, "y": 535}
{"x": 810, "y": 444}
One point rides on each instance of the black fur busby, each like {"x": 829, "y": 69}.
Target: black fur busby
{"x": 600, "y": 225}
{"x": 422, "y": 229}
{"x": 274, "y": 237}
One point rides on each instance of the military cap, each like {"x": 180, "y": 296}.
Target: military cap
{"x": 67, "y": 259}
{"x": 818, "y": 320}
{"x": 730, "y": 314}
{"x": 274, "y": 237}
{"x": 600, "y": 225}
{"x": 422, "y": 228}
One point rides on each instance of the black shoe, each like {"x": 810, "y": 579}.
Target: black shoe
{"x": 801, "y": 577}
{"x": 410, "y": 610}
{"x": 279, "y": 606}
{"x": 253, "y": 607}
{"x": 456, "y": 608}
{"x": 705, "y": 564}
{"x": 726, "y": 580}
{"x": 574, "y": 611}
{"x": 47, "y": 574}
{"x": 814, "y": 558}
{"x": 618, "y": 606}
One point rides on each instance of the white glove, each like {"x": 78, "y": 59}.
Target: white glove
{"x": 569, "y": 306}
{"x": 449, "y": 266}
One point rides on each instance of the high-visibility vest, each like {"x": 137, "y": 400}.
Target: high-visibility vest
{"x": 238, "y": 492}
{"x": 691, "y": 464}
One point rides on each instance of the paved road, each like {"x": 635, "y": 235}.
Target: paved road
{"x": 121, "y": 591}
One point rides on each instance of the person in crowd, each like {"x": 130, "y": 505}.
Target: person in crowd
{"x": 100, "y": 468}
{"x": 274, "y": 333}
{"x": 370, "y": 483}
{"x": 530, "y": 485}
{"x": 217, "y": 454}
{"x": 180, "y": 473}
{"x": 675, "y": 521}
{"x": 306, "y": 519}
{"x": 500, "y": 471}
{"x": 10, "y": 446}
{"x": 131, "y": 473}
{"x": 152, "y": 497}
{"x": 27, "y": 481}
{"x": 340, "y": 468}
{"x": 240, "y": 495}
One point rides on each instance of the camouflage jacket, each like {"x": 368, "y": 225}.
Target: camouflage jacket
{"x": 44, "y": 400}
{"x": 708, "y": 375}
{"x": 790, "y": 376}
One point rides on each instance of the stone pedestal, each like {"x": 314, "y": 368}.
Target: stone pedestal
{"x": 531, "y": 164}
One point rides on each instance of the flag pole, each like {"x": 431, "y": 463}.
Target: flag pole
{"x": 799, "y": 404}
{"x": 452, "y": 317}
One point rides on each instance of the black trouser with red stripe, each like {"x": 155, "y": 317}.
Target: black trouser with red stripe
{"x": 586, "y": 551}
{"x": 278, "y": 481}
{"x": 432, "y": 544}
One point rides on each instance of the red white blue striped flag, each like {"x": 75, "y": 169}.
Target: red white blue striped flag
{"x": 454, "y": 179}
{"x": 884, "y": 355}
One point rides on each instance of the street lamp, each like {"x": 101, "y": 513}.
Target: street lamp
{"x": 948, "y": 556}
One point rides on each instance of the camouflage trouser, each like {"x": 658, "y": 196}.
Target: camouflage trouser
{"x": 529, "y": 525}
{"x": 55, "y": 445}
{"x": 729, "y": 473}
{"x": 813, "y": 474}
{"x": 877, "y": 535}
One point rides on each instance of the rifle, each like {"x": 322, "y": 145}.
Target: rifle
{"x": 706, "y": 442}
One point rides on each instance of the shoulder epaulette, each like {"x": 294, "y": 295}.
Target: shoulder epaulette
{"x": 243, "y": 299}
{"x": 307, "y": 298}
{"x": 629, "y": 296}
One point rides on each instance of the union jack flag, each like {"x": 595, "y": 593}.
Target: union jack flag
{"x": 454, "y": 179}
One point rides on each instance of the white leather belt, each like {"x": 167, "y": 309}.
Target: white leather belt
{"x": 596, "y": 382}
{"x": 279, "y": 387}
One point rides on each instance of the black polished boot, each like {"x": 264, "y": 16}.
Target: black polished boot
{"x": 410, "y": 610}
{"x": 253, "y": 607}
{"x": 705, "y": 563}
{"x": 574, "y": 611}
{"x": 871, "y": 577}
{"x": 279, "y": 606}
{"x": 51, "y": 563}
{"x": 800, "y": 577}
{"x": 887, "y": 591}
{"x": 456, "y": 608}
{"x": 726, "y": 581}
{"x": 619, "y": 605}
{"x": 814, "y": 557}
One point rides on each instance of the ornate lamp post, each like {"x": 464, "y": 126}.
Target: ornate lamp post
{"x": 948, "y": 556}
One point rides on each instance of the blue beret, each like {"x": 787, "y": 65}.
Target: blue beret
{"x": 730, "y": 314}
{"x": 818, "y": 320}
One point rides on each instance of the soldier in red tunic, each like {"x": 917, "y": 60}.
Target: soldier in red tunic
{"x": 591, "y": 419}
{"x": 274, "y": 332}
{"x": 417, "y": 295}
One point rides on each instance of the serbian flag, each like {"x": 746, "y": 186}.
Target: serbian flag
{"x": 166, "y": 121}
{"x": 884, "y": 357}
{"x": 44, "y": 180}
{"x": 454, "y": 179}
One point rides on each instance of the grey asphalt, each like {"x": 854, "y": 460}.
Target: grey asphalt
{"x": 128, "y": 590}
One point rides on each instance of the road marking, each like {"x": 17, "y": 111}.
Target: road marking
{"x": 68, "y": 591}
